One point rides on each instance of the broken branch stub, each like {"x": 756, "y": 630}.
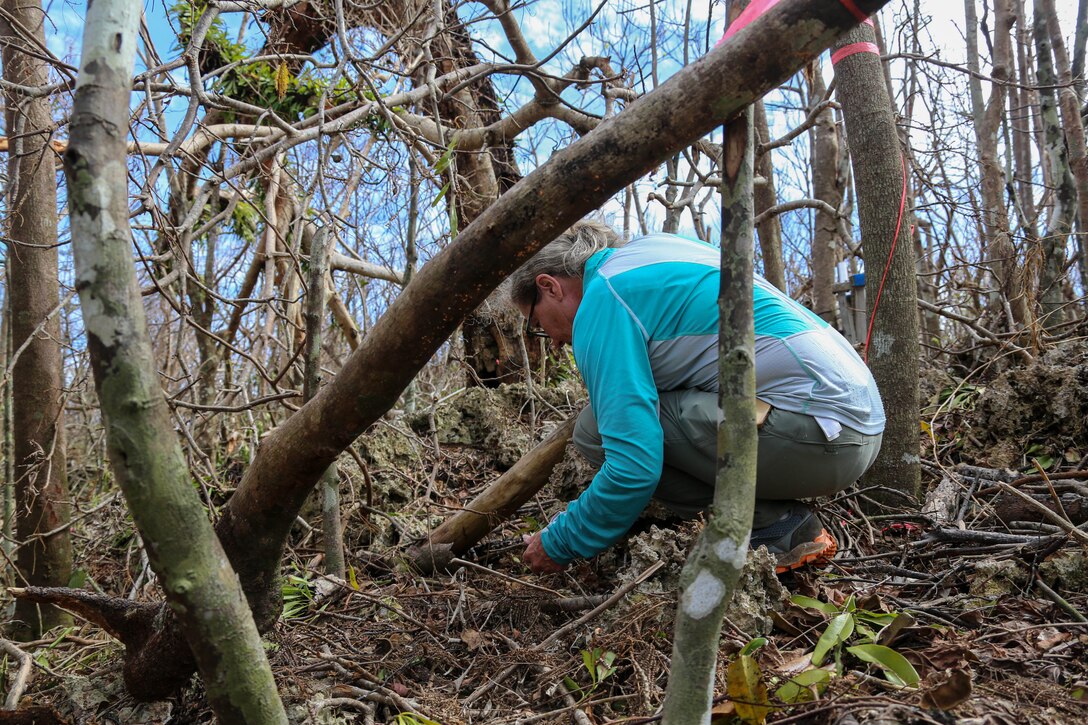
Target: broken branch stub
{"x": 496, "y": 504}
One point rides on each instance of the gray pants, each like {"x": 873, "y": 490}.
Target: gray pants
{"x": 795, "y": 459}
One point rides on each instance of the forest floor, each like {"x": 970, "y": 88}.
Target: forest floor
{"x": 982, "y": 587}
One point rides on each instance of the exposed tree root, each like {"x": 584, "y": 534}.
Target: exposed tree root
{"x": 147, "y": 631}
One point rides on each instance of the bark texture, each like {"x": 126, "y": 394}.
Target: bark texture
{"x": 713, "y": 568}
{"x": 1059, "y": 176}
{"x": 880, "y": 175}
{"x": 827, "y": 186}
{"x": 41, "y": 488}
{"x": 200, "y": 586}
{"x": 1000, "y": 253}
{"x": 332, "y": 535}
{"x": 770, "y": 229}
{"x": 1073, "y": 123}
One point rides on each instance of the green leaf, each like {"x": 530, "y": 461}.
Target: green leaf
{"x": 880, "y": 619}
{"x": 753, "y": 645}
{"x": 895, "y": 628}
{"x": 441, "y": 194}
{"x": 800, "y": 687}
{"x": 410, "y": 718}
{"x": 895, "y": 666}
{"x": 572, "y": 686}
{"x": 78, "y": 579}
{"x": 744, "y": 685}
{"x": 810, "y": 603}
{"x": 838, "y": 631}
{"x": 443, "y": 162}
{"x": 864, "y": 631}
{"x": 604, "y": 665}
{"x": 589, "y": 659}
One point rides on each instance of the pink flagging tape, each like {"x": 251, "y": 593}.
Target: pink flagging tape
{"x": 848, "y": 50}
{"x": 750, "y": 13}
{"x": 758, "y": 7}
{"x": 855, "y": 11}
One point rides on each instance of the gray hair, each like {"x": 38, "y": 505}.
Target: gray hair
{"x": 565, "y": 257}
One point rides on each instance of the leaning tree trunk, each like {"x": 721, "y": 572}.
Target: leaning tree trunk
{"x": 290, "y": 461}
{"x": 200, "y": 585}
{"x": 880, "y": 175}
{"x": 714, "y": 565}
{"x": 42, "y": 505}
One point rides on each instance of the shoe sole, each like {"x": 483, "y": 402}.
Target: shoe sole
{"x": 819, "y": 550}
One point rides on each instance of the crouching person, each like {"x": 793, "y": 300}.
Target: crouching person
{"x": 642, "y": 318}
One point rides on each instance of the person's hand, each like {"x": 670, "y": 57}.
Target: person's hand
{"x": 536, "y": 558}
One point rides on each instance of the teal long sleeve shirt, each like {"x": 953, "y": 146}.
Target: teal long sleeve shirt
{"x": 648, "y": 322}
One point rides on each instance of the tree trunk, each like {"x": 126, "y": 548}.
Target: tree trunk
{"x": 1074, "y": 127}
{"x": 7, "y": 524}
{"x": 770, "y": 229}
{"x": 200, "y": 586}
{"x": 827, "y": 186}
{"x": 1022, "y": 106}
{"x": 1080, "y": 40}
{"x": 332, "y": 534}
{"x": 1055, "y": 158}
{"x": 999, "y": 250}
{"x": 573, "y": 182}
{"x": 880, "y": 175}
{"x": 41, "y": 485}
{"x": 714, "y": 565}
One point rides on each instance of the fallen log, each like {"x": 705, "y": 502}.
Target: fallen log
{"x": 1008, "y": 508}
{"x": 498, "y": 502}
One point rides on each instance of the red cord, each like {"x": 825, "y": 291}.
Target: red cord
{"x": 888, "y": 266}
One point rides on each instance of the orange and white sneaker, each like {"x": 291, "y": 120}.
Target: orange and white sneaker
{"x": 797, "y": 539}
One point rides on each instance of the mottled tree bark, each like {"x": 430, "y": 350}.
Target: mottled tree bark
{"x": 714, "y": 565}
{"x": 1022, "y": 105}
{"x": 41, "y": 486}
{"x": 201, "y": 588}
{"x": 1055, "y": 158}
{"x": 1080, "y": 41}
{"x": 7, "y": 477}
{"x": 827, "y": 186}
{"x": 880, "y": 178}
{"x": 332, "y": 534}
{"x": 1000, "y": 254}
{"x": 770, "y": 229}
{"x": 1073, "y": 125}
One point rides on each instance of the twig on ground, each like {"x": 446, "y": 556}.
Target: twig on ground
{"x": 552, "y": 713}
{"x": 499, "y": 574}
{"x": 1060, "y": 601}
{"x": 619, "y": 593}
{"x": 22, "y": 675}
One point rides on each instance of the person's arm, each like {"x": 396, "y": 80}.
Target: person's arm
{"x": 611, "y": 351}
